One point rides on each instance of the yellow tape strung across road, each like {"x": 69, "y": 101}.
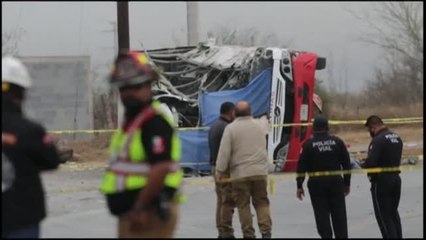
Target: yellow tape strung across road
{"x": 331, "y": 122}
{"x": 328, "y": 173}
{"x": 272, "y": 177}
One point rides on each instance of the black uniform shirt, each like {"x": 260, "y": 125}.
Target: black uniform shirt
{"x": 215, "y": 136}
{"x": 24, "y": 203}
{"x": 323, "y": 152}
{"x": 385, "y": 150}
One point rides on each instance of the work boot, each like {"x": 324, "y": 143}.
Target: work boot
{"x": 266, "y": 235}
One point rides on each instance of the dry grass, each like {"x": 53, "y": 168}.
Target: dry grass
{"x": 359, "y": 113}
{"x": 336, "y": 112}
{"x": 89, "y": 150}
{"x": 409, "y": 134}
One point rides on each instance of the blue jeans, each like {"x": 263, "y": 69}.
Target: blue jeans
{"x": 32, "y": 231}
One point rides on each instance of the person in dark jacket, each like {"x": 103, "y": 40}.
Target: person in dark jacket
{"x": 324, "y": 152}
{"x": 385, "y": 151}
{"x": 225, "y": 204}
{"x": 30, "y": 150}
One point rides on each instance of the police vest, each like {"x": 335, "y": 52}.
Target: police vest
{"x": 128, "y": 167}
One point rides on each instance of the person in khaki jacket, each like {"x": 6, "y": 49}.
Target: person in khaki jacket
{"x": 242, "y": 151}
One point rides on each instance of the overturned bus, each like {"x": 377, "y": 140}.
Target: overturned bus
{"x": 278, "y": 83}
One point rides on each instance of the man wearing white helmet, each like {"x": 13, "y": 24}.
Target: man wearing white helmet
{"x": 29, "y": 149}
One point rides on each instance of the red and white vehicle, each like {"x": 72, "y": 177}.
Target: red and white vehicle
{"x": 292, "y": 95}
{"x": 188, "y": 70}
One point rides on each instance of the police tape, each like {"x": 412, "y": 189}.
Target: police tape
{"x": 321, "y": 173}
{"x": 271, "y": 178}
{"x": 408, "y": 120}
{"x": 328, "y": 173}
{"x": 354, "y": 122}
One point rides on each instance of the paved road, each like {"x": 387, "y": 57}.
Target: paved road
{"x": 77, "y": 209}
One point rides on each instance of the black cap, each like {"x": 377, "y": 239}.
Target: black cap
{"x": 320, "y": 123}
{"x": 373, "y": 119}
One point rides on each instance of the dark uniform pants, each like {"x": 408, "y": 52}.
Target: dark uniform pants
{"x": 386, "y": 192}
{"x": 155, "y": 228}
{"x": 328, "y": 199}
{"x": 256, "y": 190}
{"x": 224, "y": 209}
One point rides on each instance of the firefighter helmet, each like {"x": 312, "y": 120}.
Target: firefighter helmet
{"x": 132, "y": 68}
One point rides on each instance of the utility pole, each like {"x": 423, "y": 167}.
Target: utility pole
{"x": 123, "y": 25}
{"x": 123, "y": 44}
{"x": 192, "y": 22}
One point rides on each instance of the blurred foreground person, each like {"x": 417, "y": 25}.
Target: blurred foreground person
{"x": 26, "y": 151}
{"x": 142, "y": 180}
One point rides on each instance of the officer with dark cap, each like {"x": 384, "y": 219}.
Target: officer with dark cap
{"x": 385, "y": 151}
{"x": 324, "y": 152}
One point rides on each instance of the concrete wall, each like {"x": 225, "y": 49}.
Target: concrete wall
{"x": 61, "y": 96}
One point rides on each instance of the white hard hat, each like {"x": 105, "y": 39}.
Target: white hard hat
{"x": 13, "y": 71}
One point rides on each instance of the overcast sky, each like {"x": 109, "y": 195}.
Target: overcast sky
{"x": 81, "y": 28}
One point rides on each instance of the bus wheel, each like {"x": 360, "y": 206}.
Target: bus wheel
{"x": 281, "y": 157}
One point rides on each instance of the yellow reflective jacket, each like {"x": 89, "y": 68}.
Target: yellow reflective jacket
{"x": 128, "y": 167}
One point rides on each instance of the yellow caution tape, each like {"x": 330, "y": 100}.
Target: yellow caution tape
{"x": 293, "y": 175}
{"x": 331, "y": 122}
{"x": 182, "y": 198}
{"x": 316, "y": 174}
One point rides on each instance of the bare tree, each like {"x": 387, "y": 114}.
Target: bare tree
{"x": 10, "y": 42}
{"x": 104, "y": 105}
{"x": 397, "y": 27}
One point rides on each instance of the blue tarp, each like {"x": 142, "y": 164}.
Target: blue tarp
{"x": 257, "y": 93}
{"x": 195, "y": 147}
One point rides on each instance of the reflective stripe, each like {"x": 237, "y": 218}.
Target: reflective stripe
{"x": 174, "y": 167}
{"x": 130, "y": 168}
{"x": 120, "y": 183}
